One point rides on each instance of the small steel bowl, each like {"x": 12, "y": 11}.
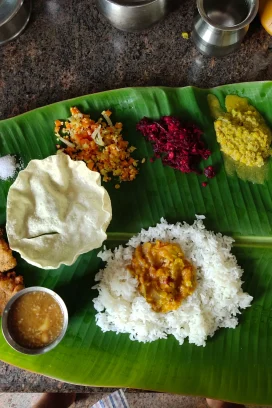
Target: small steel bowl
{"x": 220, "y": 26}
{"x": 14, "y": 16}
{"x": 133, "y": 15}
{"x": 5, "y": 329}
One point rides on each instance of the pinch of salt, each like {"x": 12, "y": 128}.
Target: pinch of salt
{"x": 7, "y": 167}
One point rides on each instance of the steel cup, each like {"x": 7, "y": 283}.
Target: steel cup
{"x": 220, "y": 26}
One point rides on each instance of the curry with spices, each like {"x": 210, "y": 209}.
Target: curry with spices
{"x": 164, "y": 275}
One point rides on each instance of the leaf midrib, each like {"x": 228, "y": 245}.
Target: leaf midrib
{"x": 240, "y": 241}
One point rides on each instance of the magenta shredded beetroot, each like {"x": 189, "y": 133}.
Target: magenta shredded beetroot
{"x": 209, "y": 172}
{"x": 179, "y": 146}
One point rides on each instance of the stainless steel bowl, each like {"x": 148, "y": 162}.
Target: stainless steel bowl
{"x": 7, "y": 334}
{"x": 133, "y": 15}
{"x": 14, "y": 16}
{"x": 220, "y": 26}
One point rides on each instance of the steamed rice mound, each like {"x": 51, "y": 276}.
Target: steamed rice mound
{"x": 215, "y": 303}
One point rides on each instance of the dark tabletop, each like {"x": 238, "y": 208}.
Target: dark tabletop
{"x": 69, "y": 49}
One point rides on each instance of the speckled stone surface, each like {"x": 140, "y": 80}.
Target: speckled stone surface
{"x": 69, "y": 49}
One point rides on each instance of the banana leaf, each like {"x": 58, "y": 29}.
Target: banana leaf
{"x": 236, "y": 364}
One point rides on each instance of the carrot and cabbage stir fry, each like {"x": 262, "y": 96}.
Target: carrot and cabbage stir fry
{"x": 100, "y": 144}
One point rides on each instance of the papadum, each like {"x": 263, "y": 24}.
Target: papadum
{"x": 57, "y": 210}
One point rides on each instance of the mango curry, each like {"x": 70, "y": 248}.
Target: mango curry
{"x": 165, "y": 277}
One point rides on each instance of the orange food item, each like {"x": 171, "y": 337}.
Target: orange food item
{"x": 100, "y": 144}
{"x": 265, "y": 12}
{"x": 164, "y": 275}
{"x": 10, "y": 284}
{"x": 7, "y": 260}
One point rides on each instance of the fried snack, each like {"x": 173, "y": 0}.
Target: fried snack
{"x": 56, "y": 211}
{"x": 7, "y": 260}
{"x": 9, "y": 285}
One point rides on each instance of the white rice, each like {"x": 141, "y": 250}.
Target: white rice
{"x": 214, "y": 304}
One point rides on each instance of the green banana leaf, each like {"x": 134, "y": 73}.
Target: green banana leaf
{"x": 236, "y": 364}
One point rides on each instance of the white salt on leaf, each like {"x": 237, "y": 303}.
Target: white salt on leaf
{"x": 7, "y": 167}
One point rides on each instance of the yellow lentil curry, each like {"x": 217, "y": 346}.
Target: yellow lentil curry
{"x": 165, "y": 277}
{"x": 241, "y": 131}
